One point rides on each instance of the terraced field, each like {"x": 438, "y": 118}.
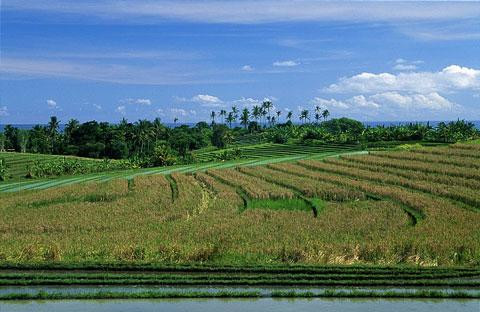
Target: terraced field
{"x": 390, "y": 219}
{"x": 268, "y": 150}
{"x": 18, "y": 163}
{"x": 38, "y": 184}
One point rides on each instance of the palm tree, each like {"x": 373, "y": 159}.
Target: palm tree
{"x": 71, "y": 126}
{"x": 245, "y": 117}
{"x": 230, "y": 118}
{"x": 278, "y": 114}
{"x": 175, "y": 120}
{"x": 304, "y": 115}
{"x": 212, "y": 115}
{"x": 257, "y": 112}
{"x": 325, "y": 114}
{"x": 273, "y": 120}
{"x": 289, "y": 115}
{"x": 317, "y": 117}
{"x": 267, "y": 106}
{"x": 52, "y": 129}
{"x": 223, "y": 113}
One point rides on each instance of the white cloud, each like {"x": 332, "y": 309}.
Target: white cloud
{"x": 52, "y": 104}
{"x": 286, "y": 63}
{"x": 432, "y": 100}
{"x": 247, "y": 68}
{"x": 390, "y": 101}
{"x": 178, "y": 111}
{"x": 137, "y": 101}
{"x": 207, "y": 100}
{"x": 122, "y": 109}
{"x": 332, "y": 103}
{"x": 250, "y": 11}
{"x": 362, "y": 101}
{"x": 451, "y": 78}
{"x": 97, "y": 107}
{"x": 159, "y": 74}
{"x": 4, "y": 111}
{"x": 405, "y": 67}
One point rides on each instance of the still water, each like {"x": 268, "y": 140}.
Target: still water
{"x": 234, "y": 305}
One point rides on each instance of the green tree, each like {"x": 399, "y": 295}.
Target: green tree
{"x": 256, "y": 112}
{"x": 289, "y": 115}
{"x": 325, "y": 114}
{"x": 230, "y": 118}
{"x": 2, "y": 142}
{"x": 244, "y": 119}
{"x": 212, "y": 116}
{"x": 304, "y": 115}
{"x": 221, "y": 136}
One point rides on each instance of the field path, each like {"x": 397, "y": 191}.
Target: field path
{"x": 39, "y": 184}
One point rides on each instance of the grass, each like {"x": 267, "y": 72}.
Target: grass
{"x": 279, "y": 204}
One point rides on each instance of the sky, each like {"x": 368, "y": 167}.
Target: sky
{"x": 135, "y": 59}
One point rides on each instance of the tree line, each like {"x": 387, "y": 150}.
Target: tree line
{"x": 152, "y": 143}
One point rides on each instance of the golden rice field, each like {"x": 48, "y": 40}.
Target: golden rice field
{"x": 417, "y": 207}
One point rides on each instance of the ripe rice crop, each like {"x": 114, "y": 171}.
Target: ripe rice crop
{"x": 308, "y": 187}
{"x": 462, "y": 194}
{"x": 410, "y": 174}
{"x": 431, "y": 158}
{"x": 452, "y": 150}
{"x": 451, "y": 170}
{"x": 254, "y": 187}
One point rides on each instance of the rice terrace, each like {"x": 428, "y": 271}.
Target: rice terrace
{"x": 238, "y": 156}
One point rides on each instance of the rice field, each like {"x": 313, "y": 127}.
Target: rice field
{"x": 398, "y": 218}
{"x": 385, "y": 208}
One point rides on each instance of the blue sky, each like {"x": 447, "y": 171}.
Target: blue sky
{"x": 106, "y": 60}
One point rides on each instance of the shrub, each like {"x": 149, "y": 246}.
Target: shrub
{"x": 3, "y": 169}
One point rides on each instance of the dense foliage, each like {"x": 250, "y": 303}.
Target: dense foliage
{"x": 65, "y": 166}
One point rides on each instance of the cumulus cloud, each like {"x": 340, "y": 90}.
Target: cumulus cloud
{"x": 289, "y": 63}
{"x": 207, "y": 100}
{"x": 433, "y": 100}
{"x": 451, "y": 78}
{"x": 4, "y": 111}
{"x": 52, "y": 104}
{"x": 247, "y": 68}
{"x": 137, "y": 101}
{"x": 388, "y": 101}
{"x": 122, "y": 109}
{"x": 331, "y": 103}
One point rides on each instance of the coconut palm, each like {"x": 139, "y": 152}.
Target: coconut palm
{"x": 325, "y": 114}
{"x": 257, "y": 112}
{"x": 223, "y": 113}
{"x": 230, "y": 118}
{"x": 245, "y": 117}
{"x": 278, "y": 114}
{"x": 212, "y": 116}
{"x": 304, "y": 115}
{"x": 289, "y": 115}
